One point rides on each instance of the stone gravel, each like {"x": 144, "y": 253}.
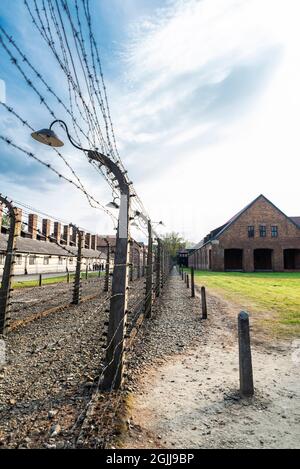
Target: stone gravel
{"x": 51, "y": 368}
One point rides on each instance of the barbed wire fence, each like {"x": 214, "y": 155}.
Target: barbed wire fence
{"x": 135, "y": 274}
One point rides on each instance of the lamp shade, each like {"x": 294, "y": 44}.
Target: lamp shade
{"x": 48, "y": 137}
{"x": 112, "y": 205}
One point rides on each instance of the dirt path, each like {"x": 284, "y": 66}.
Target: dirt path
{"x": 190, "y": 399}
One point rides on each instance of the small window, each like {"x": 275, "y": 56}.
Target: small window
{"x": 60, "y": 260}
{"x": 32, "y": 260}
{"x": 46, "y": 260}
{"x": 250, "y": 231}
{"x": 18, "y": 259}
{"x": 262, "y": 231}
{"x": 71, "y": 260}
{"x": 2, "y": 259}
{"x": 274, "y": 231}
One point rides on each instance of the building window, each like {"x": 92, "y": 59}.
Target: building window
{"x": 71, "y": 260}
{"x": 262, "y": 231}
{"x": 60, "y": 260}
{"x": 250, "y": 231}
{"x": 274, "y": 231}
{"x": 32, "y": 260}
{"x": 46, "y": 260}
{"x": 2, "y": 259}
{"x": 18, "y": 259}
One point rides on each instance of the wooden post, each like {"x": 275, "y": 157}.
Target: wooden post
{"x": 86, "y": 272}
{"x": 203, "y": 303}
{"x": 68, "y": 277}
{"x": 139, "y": 264}
{"x": 245, "y": 361}
{"x": 187, "y": 281}
{"x": 40, "y": 280}
{"x": 8, "y": 266}
{"x": 106, "y": 280}
{"x": 162, "y": 264}
{"x": 149, "y": 274}
{"x": 77, "y": 278}
{"x": 192, "y": 283}
{"x": 158, "y": 268}
{"x": 144, "y": 261}
{"x": 182, "y": 274}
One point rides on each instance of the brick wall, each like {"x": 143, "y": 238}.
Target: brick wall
{"x": 262, "y": 212}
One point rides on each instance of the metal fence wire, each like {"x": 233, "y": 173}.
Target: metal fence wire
{"x": 64, "y": 355}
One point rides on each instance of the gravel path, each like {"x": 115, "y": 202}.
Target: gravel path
{"x": 52, "y": 365}
{"x": 184, "y": 382}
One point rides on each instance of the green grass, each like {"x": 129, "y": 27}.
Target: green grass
{"x": 274, "y": 296}
{"x": 51, "y": 280}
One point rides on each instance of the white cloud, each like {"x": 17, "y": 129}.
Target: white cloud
{"x": 206, "y": 112}
{"x": 212, "y": 105}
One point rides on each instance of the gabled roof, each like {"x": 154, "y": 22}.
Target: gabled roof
{"x": 102, "y": 243}
{"x": 33, "y": 246}
{"x": 296, "y": 220}
{"x": 199, "y": 245}
{"x": 214, "y": 234}
{"x": 233, "y": 219}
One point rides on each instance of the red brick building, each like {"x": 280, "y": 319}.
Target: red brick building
{"x": 258, "y": 238}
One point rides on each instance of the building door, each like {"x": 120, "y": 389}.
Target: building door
{"x": 291, "y": 259}
{"x": 233, "y": 259}
{"x": 263, "y": 259}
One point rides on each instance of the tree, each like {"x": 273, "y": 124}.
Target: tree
{"x": 173, "y": 243}
{"x": 5, "y": 220}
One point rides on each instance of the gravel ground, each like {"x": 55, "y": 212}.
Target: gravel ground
{"x": 184, "y": 381}
{"x": 51, "y": 367}
{"x": 26, "y": 302}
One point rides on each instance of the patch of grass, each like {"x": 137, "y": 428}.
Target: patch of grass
{"x": 50, "y": 280}
{"x": 274, "y": 296}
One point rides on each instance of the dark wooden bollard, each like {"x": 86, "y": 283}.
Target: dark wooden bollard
{"x": 203, "y": 303}
{"x": 187, "y": 281}
{"x": 245, "y": 361}
{"x": 182, "y": 274}
{"x": 86, "y": 273}
{"x": 192, "y": 283}
{"x": 68, "y": 277}
{"x": 40, "y": 280}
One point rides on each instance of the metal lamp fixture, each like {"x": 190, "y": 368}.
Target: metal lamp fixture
{"x": 113, "y": 204}
{"x": 48, "y": 137}
{"x": 113, "y": 374}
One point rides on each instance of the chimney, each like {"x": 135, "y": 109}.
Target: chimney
{"x": 57, "y": 231}
{"x": 18, "y": 213}
{"x": 74, "y": 236}
{"x": 94, "y": 242}
{"x": 88, "y": 240}
{"x": 32, "y": 225}
{"x": 46, "y": 227}
{"x": 82, "y": 239}
{"x": 67, "y": 234}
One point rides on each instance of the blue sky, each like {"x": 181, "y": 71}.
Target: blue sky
{"x": 205, "y": 103}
